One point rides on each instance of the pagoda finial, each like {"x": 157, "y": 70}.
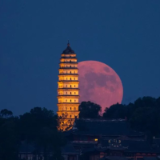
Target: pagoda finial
{"x": 68, "y": 43}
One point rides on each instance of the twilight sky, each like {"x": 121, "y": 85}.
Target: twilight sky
{"x": 33, "y": 33}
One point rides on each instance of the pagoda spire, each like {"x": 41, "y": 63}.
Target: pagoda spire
{"x": 68, "y": 43}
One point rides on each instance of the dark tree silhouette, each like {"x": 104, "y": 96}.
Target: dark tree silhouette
{"x": 146, "y": 115}
{"x": 143, "y": 114}
{"x": 6, "y": 113}
{"x": 89, "y": 110}
{"x": 39, "y": 127}
{"x": 9, "y": 140}
{"x": 117, "y": 111}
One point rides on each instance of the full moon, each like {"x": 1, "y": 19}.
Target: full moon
{"x": 99, "y": 83}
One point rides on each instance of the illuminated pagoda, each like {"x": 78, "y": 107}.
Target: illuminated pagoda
{"x": 68, "y": 90}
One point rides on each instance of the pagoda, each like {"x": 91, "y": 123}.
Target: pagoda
{"x": 68, "y": 90}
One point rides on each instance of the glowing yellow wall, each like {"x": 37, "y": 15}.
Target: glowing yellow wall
{"x": 68, "y": 91}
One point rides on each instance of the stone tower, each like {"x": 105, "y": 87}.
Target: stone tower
{"x": 68, "y": 90}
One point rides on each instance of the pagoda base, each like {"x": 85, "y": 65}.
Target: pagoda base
{"x": 65, "y": 124}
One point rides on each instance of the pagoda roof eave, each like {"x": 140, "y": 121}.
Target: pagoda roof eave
{"x": 63, "y": 96}
{"x": 70, "y": 74}
{"x": 68, "y": 81}
{"x": 69, "y": 62}
{"x": 68, "y": 58}
{"x": 67, "y": 103}
{"x": 68, "y": 89}
{"x": 68, "y": 68}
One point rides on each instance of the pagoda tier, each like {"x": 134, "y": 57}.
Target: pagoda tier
{"x": 68, "y": 90}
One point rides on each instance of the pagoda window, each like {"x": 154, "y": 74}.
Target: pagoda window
{"x": 70, "y": 92}
{"x": 74, "y": 92}
{"x": 66, "y": 92}
{"x": 70, "y": 78}
{"x": 70, "y": 100}
{"x": 74, "y": 108}
{"x": 70, "y": 108}
{"x": 70, "y": 116}
{"x": 70, "y": 85}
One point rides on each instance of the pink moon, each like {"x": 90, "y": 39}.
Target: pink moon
{"x": 99, "y": 83}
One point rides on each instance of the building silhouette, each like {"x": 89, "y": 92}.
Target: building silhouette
{"x": 68, "y": 90}
{"x": 99, "y": 139}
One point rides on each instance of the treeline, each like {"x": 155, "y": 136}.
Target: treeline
{"x": 143, "y": 115}
{"x": 37, "y": 128}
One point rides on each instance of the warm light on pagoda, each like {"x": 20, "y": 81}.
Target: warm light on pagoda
{"x": 68, "y": 90}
